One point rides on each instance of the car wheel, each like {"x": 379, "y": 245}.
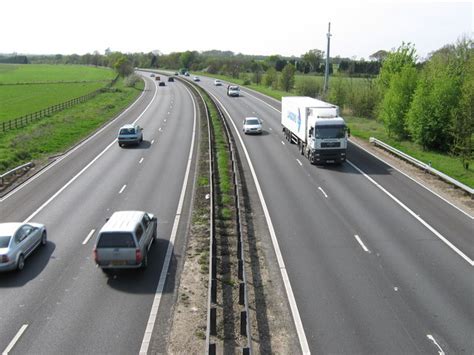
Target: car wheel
{"x": 44, "y": 238}
{"x": 21, "y": 262}
{"x": 145, "y": 261}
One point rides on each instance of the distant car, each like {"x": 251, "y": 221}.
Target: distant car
{"x": 18, "y": 241}
{"x": 176, "y": 73}
{"x": 152, "y": 75}
{"x": 217, "y": 82}
{"x": 186, "y": 74}
{"x": 233, "y": 90}
{"x": 130, "y": 134}
{"x": 157, "y": 78}
{"x": 252, "y": 125}
{"x": 171, "y": 79}
{"x": 196, "y": 78}
{"x": 124, "y": 240}
{"x": 162, "y": 83}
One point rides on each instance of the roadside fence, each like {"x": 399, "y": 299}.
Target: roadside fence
{"x": 26, "y": 119}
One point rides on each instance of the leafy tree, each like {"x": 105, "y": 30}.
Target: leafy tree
{"x": 396, "y": 101}
{"x": 313, "y": 58}
{"x": 394, "y": 62}
{"x": 287, "y": 80}
{"x": 271, "y": 77}
{"x": 379, "y": 56}
{"x": 464, "y": 117}
{"x": 397, "y": 83}
{"x": 187, "y": 58}
{"x": 123, "y": 66}
{"x": 440, "y": 116}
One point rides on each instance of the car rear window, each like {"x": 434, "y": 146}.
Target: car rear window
{"x": 4, "y": 241}
{"x": 127, "y": 131}
{"x": 116, "y": 240}
{"x": 253, "y": 122}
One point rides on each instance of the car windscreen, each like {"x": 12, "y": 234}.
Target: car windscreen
{"x": 330, "y": 131}
{"x": 116, "y": 240}
{"x": 127, "y": 131}
{"x": 252, "y": 122}
{"x": 4, "y": 241}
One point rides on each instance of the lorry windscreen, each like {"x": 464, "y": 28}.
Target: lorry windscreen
{"x": 330, "y": 131}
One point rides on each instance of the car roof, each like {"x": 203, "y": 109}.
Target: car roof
{"x": 8, "y": 229}
{"x": 252, "y": 118}
{"x": 123, "y": 221}
{"x": 129, "y": 125}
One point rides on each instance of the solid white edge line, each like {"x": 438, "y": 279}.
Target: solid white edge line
{"x": 83, "y": 169}
{"x": 361, "y": 243}
{"x": 414, "y": 215}
{"x": 122, "y": 189}
{"x": 301, "y": 164}
{"x": 89, "y": 236}
{"x": 286, "y": 280}
{"x": 75, "y": 148}
{"x": 413, "y": 179}
{"x": 15, "y": 339}
{"x": 164, "y": 271}
{"x": 324, "y": 192}
{"x": 430, "y": 337}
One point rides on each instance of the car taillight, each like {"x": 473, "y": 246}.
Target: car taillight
{"x": 4, "y": 259}
{"x": 94, "y": 253}
{"x": 138, "y": 256}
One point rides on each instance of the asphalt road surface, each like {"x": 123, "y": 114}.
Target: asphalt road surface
{"x": 377, "y": 263}
{"x": 61, "y": 303}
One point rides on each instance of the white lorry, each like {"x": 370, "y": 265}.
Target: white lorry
{"x": 316, "y": 127}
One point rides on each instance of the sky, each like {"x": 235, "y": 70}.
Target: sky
{"x": 263, "y": 27}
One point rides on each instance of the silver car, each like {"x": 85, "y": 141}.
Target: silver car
{"x": 124, "y": 240}
{"x": 130, "y": 134}
{"x": 18, "y": 241}
{"x": 252, "y": 125}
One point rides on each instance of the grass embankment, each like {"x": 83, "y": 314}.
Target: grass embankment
{"x": 56, "y": 133}
{"x": 365, "y": 128}
{"x": 28, "y": 88}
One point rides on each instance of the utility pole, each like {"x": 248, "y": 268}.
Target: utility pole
{"x": 326, "y": 68}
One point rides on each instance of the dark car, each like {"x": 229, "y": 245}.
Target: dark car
{"x": 162, "y": 83}
{"x": 171, "y": 79}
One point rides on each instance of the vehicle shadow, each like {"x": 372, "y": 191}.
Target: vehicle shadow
{"x": 34, "y": 265}
{"x": 143, "y": 145}
{"x": 143, "y": 281}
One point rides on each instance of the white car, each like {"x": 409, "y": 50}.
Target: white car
{"x": 17, "y": 242}
{"x": 196, "y": 78}
{"x": 217, "y": 82}
{"x": 252, "y": 125}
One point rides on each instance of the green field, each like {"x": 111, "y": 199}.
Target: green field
{"x": 29, "y": 73}
{"x": 47, "y": 85}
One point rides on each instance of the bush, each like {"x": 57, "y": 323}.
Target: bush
{"x": 308, "y": 86}
{"x": 131, "y": 80}
{"x": 338, "y": 91}
{"x": 363, "y": 99}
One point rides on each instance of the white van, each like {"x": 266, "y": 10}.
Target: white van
{"x": 125, "y": 239}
